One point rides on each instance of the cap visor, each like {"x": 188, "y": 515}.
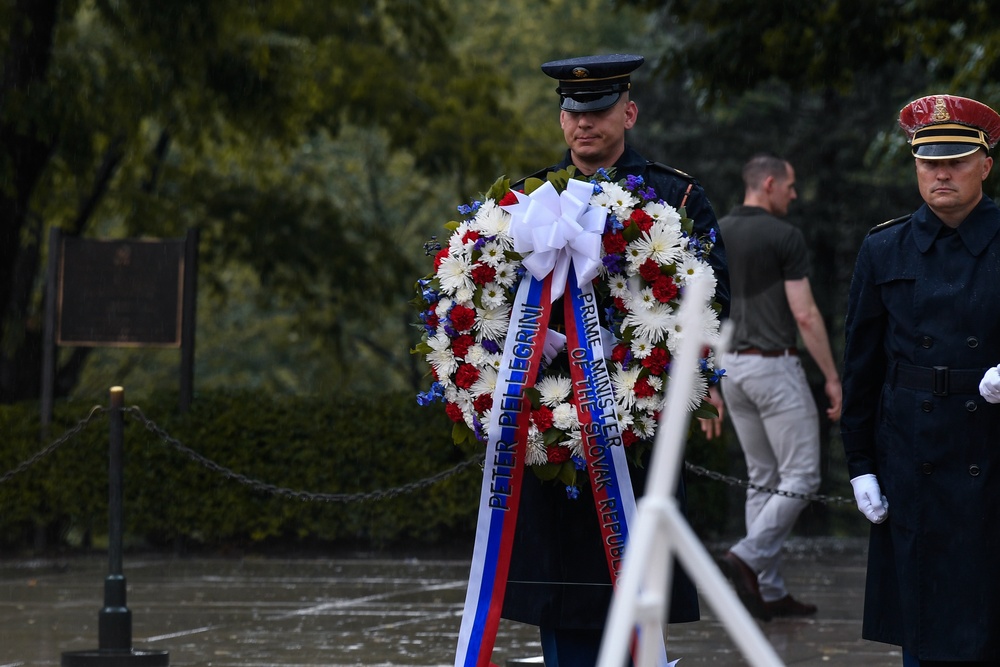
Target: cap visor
{"x": 944, "y": 151}
{"x": 589, "y": 103}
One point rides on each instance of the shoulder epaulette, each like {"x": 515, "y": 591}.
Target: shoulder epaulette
{"x": 671, "y": 170}
{"x": 889, "y": 223}
{"x": 519, "y": 184}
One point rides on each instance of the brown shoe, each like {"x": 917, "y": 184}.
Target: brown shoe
{"x": 789, "y": 606}
{"x": 745, "y": 582}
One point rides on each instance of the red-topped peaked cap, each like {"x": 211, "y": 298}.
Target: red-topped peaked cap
{"x": 940, "y": 127}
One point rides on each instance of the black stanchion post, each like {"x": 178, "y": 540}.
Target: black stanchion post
{"x": 115, "y": 618}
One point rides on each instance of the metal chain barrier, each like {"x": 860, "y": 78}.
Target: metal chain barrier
{"x": 273, "y": 489}
{"x": 735, "y": 481}
{"x": 264, "y": 487}
{"x": 58, "y": 442}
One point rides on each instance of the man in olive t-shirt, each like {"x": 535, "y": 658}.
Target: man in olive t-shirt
{"x": 765, "y": 389}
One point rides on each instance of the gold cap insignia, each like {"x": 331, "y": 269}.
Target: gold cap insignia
{"x": 940, "y": 111}
{"x": 580, "y": 72}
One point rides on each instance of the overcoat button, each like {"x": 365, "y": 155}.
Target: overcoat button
{"x": 974, "y": 470}
{"x": 927, "y": 468}
{"x": 972, "y": 341}
{"x": 926, "y": 342}
{"x": 926, "y": 406}
{"x": 970, "y": 405}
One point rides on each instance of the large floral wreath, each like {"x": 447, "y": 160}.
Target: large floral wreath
{"x": 650, "y": 253}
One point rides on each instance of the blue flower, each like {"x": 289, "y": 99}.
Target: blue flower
{"x": 613, "y": 263}
{"x": 633, "y": 183}
{"x": 572, "y": 492}
{"x": 578, "y": 462}
{"x": 490, "y": 346}
{"x": 470, "y": 209}
{"x": 435, "y": 393}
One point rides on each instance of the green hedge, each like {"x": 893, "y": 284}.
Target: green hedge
{"x": 343, "y": 445}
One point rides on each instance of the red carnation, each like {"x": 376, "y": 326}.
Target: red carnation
{"x": 454, "y": 412}
{"x": 619, "y": 353}
{"x": 483, "y": 402}
{"x": 508, "y": 199}
{"x": 557, "y": 454}
{"x": 657, "y": 360}
{"x": 431, "y": 319}
{"x": 641, "y": 220}
{"x": 629, "y": 437}
{"x": 620, "y": 304}
{"x": 664, "y": 289}
{"x": 649, "y": 270}
{"x": 542, "y": 418}
{"x": 460, "y": 346}
{"x": 462, "y": 317}
{"x": 470, "y": 235}
{"x": 614, "y": 244}
{"x": 438, "y": 258}
{"x": 466, "y": 376}
{"x": 642, "y": 388}
{"x": 483, "y": 273}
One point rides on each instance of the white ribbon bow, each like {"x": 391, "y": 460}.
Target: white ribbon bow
{"x": 558, "y": 229}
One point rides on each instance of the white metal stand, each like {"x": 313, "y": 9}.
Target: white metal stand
{"x": 642, "y": 597}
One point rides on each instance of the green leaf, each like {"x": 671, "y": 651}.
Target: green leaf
{"x": 567, "y": 473}
{"x": 547, "y": 471}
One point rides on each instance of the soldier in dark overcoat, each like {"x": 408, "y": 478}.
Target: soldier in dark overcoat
{"x": 922, "y": 446}
{"x": 558, "y": 578}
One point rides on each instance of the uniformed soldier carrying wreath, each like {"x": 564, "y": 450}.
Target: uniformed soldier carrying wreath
{"x": 558, "y": 577}
{"x": 922, "y": 444}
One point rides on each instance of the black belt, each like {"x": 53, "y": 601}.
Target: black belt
{"x": 940, "y": 380}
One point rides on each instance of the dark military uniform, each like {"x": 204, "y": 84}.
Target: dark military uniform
{"x": 923, "y": 326}
{"x": 559, "y": 575}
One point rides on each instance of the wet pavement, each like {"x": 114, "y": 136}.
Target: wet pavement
{"x": 367, "y": 609}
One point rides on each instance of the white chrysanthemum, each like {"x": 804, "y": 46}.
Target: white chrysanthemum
{"x": 661, "y": 212}
{"x": 492, "y": 322}
{"x": 491, "y": 220}
{"x": 455, "y": 273}
{"x": 623, "y": 382}
{"x": 564, "y": 416}
{"x": 709, "y": 324}
{"x": 618, "y": 283}
{"x": 457, "y": 243}
{"x": 494, "y": 295}
{"x": 486, "y": 382}
{"x": 641, "y": 347}
{"x": 707, "y": 327}
{"x": 644, "y": 427}
{"x": 660, "y": 244}
{"x": 691, "y": 268}
{"x": 535, "y": 454}
{"x": 441, "y": 358}
{"x": 493, "y": 254}
{"x": 616, "y": 199}
{"x": 574, "y": 441}
{"x": 554, "y": 389}
{"x": 699, "y": 390}
{"x": 506, "y": 273}
{"x": 653, "y": 323}
{"x": 464, "y": 295}
{"x": 643, "y": 300}
{"x": 624, "y": 416}
{"x": 495, "y": 360}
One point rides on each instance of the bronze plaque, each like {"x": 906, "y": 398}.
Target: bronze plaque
{"x": 120, "y": 293}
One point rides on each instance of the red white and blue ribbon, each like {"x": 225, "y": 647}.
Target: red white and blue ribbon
{"x": 502, "y": 471}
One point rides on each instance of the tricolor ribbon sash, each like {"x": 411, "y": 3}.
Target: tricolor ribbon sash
{"x": 503, "y": 468}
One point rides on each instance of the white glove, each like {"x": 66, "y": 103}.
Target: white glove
{"x": 869, "y": 497}
{"x": 989, "y": 386}
{"x": 554, "y": 344}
